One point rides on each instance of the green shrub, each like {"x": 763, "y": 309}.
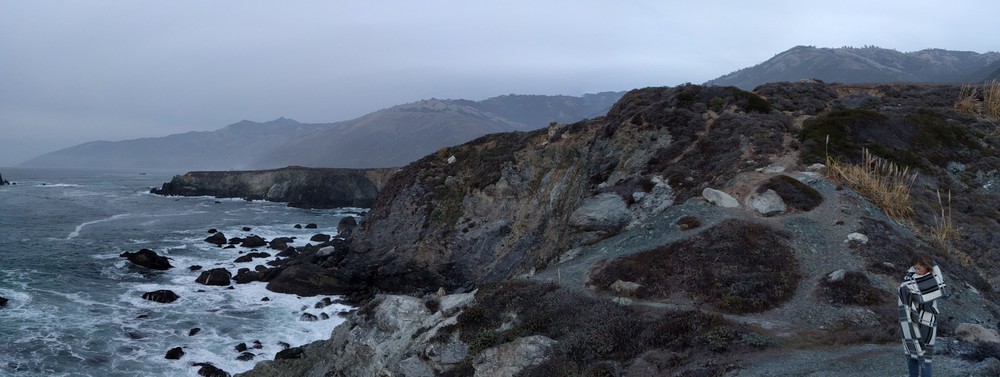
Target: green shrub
{"x": 796, "y": 194}
{"x": 833, "y": 133}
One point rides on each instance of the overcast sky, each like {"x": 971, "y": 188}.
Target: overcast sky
{"x": 79, "y": 71}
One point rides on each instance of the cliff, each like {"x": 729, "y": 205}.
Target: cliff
{"x": 298, "y": 186}
{"x": 690, "y": 231}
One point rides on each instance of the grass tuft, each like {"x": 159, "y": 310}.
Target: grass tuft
{"x": 882, "y": 182}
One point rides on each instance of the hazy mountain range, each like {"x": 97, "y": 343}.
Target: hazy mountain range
{"x": 867, "y": 65}
{"x": 387, "y": 138}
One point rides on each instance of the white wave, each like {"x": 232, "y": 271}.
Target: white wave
{"x": 75, "y": 233}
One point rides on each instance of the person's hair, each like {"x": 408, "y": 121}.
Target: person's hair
{"x": 923, "y": 259}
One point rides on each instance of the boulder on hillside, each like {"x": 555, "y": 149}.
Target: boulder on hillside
{"x": 163, "y": 296}
{"x": 719, "y": 198}
{"x": 147, "y": 258}
{"x": 215, "y": 276}
{"x": 307, "y": 280}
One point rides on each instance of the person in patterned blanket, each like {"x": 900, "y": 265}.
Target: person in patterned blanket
{"x": 918, "y": 294}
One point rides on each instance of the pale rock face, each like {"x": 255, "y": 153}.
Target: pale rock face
{"x": 857, "y": 237}
{"x": 510, "y": 359}
{"x": 767, "y": 203}
{"x": 719, "y": 198}
{"x": 604, "y": 212}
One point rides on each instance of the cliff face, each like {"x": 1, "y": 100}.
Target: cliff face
{"x": 505, "y": 204}
{"x": 299, "y": 187}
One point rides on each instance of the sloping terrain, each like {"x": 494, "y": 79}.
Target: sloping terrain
{"x": 602, "y": 247}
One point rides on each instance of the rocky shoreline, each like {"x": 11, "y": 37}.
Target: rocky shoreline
{"x": 297, "y": 186}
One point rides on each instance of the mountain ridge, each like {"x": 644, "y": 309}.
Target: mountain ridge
{"x": 868, "y": 64}
{"x": 390, "y": 137}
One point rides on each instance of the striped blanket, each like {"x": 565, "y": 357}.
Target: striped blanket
{"x": 918, "y": 311}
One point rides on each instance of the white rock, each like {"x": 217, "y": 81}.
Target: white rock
{"x": 452, "y": 159}
{"x": 719, "y": 198}
{"x": 816, "y": 167}
{"x": 767, "y": 203}
{"x": 325, "y": 251}
{"x": 771, "y": 169}
{"x": 857, "y": 237}
{"x": 973, "y": 333}
{"x": 836, "y": 276}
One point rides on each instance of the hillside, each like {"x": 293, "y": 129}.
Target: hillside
{"x": 616, "y": 219}
{"x": 865, "y": 65}
{"x": 388, "y": 138}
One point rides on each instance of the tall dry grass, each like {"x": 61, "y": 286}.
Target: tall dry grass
{"x": 966, "y": 102}
{"x": 882, "y": 182}
{"x": 945, "y": 229}
{"x": 991, "y": 99}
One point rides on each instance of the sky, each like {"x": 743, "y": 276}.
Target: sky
{"x": 77, "y": 71}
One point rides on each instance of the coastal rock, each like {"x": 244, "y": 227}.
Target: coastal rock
{"x": 3, "y": 301}
{"x": 253, "y": 241}
{"x": 260, "y": 273}
{"x": 215, "y": 276}
{"x": 164, "y": 296}
{"x": 246, "y": 356}
{"x": 280, "y": 243}
{"x": 307, "y": 280}
{"x": 209, "y": 370}
{"x": 174, "y": 353}
{"x": 346, "y": 226}
{"x": 291, "y": 353}
{"x": 250, "y": 256}
{"x": 147, "y": 258}
{"x": 3, "y": 181}
{"x": 217, "y": 238}
{"x": 320, "y": 237}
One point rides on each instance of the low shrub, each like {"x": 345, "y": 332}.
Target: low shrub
{"x": 853, "y": 288}
{"x": 796, "y": 194}
{"x": 738, "y": 266}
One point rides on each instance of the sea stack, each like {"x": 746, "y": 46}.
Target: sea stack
{"x": 3, "y": 181}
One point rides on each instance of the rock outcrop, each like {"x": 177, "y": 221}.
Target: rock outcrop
{"x": 297, "y": 186}
{"x": 147, "y": 258}
{"x": 3, "y": 181}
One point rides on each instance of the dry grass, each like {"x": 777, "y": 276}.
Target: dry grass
{"x": 882, "y": 182}
{"x": 945, "y": 229}
{"x": 991, "y": 99}
{"x": 966, "y": 99}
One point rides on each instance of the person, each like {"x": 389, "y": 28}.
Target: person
{"x": 922, "y": 286}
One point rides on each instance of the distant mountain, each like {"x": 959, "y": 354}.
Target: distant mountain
{"x": 865, "y": 65}
{"x": 405, "y": 133}
{"x": 223, "y": 149}
{"x": 388, "y": 138}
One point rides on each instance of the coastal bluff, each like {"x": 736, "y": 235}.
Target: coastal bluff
{"x": 298, "y": 186}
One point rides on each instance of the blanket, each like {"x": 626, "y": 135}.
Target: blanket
{"x": 918, "y": 311}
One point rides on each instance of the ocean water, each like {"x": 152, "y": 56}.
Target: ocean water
{"x": 75, "y": 306}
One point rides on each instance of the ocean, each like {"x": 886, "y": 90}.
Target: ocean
{"x": 75, "y": 306}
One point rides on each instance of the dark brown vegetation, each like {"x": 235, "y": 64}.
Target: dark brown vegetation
{"x": 737, "y": 266}
{"x": 593, "y": 334}
{"x": 853, "y": 288}
{"x": 794, "y": 193}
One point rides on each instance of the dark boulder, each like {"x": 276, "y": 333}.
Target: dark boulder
{"x": 194, "y": 331}
{"x": 246, "y": 229}
{"x": 174, "y": 353}
{"x": 291, "y": 251}
{"x": 307, "y": 317}
{"x": 217, "y": 238}
{"x": 311, "y": 226}
{"x": 195, "y": 268}
{"x": 346, "y": 226}
{"x": 260, "y": 273}
{"x": 3, "y": 301}
{"x": 246, "y": 356}
{"x": 291, "y": 353}
{"x": 307, "y": 280}
{"x": 163, "y": 296}
{"x": 253, "y": 241}
{"x": 242, "y": 347}
{"x": 250, "y": 256}
{"x": 320, "y": 237}
{"x": 209, "y": 370}
{"x": 147, "y": 258}
{"x": 280, "y": 243}
{"x": 3, "y": 181}
{"x": 215, "y": 276}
